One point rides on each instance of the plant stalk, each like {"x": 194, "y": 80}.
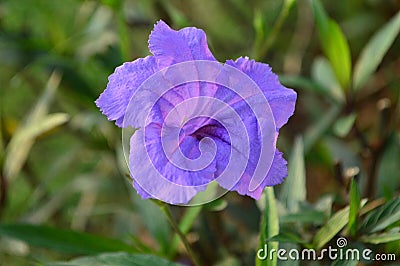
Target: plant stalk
{"x": 166, "y": 210}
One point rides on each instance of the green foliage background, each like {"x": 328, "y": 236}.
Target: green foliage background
{"x": 63, "y": 190}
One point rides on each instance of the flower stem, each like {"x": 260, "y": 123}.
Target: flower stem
{"x": 269, "y": 227}
{"x": 165, "y": 209}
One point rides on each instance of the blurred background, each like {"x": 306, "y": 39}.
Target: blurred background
{"x": 61, "y": 161}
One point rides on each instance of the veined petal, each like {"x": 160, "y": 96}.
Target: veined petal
{"x": 171, "y": 47}
{"x": 156, "y": 176}
{"x": 185, "y": 141}
{"x": 122, "y": 84}
{"x": 276, "y": 175}
{"x": 281, "y": 99}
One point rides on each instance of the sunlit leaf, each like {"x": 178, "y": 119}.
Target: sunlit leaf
{"x": 381, "y": 238}
{"x": 372, "y": 54}
{"x": 23, "y": 139}
{"x": 332, "y": 227}
{"x": 37, "y": 122}
{"x": 334, "y": 44}
{"x": 259, "y": 27}
{"x": 216, "y": 205}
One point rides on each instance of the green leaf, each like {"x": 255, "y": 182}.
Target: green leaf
{"x": 287, "y": 238}
{"x": 304, "y": 216}
{"x": 1, "y": 138}
{"x": 290, "y": 261}
{"x": 117, "y": 259}
{"x": 302, "y": 83}
{"x": 354, "y": 207}
{"x": 259, "y": 27}
{"x": 192, "y": 213}
{"x": 345, "y": 263}
{"x": 55, "y": 202}
{"x": 332, "y": 227}
{"x": 98, "y": 36}
{"x": 123, "y": 31}
{"x": 37, "y": 122}
{"x": 381, "y": 238}
{"x": 372, "y": 54}
{"x": 323, "y": 73}
{"x": 177, "y": 16}
{"x": 261, "y": 49}
{"x": 382, "y": 217}
{"x": 63, "y": 240}
{"x": 158, "y": 228}
{"x": 324, "y": 205}
{"x": 21, "y": 142}
{"x": 318, "y": 129}
{"x": 391, "y": 216}
{"x": 334, "y": 44}
{"x": 216, "y": 205}
{"x": 389, "y": 168}
{"x": 344, "y": 124}
{"x": 269, "y": 226}
{"x": 296, "y": 179}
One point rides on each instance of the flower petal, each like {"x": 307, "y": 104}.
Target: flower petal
{"x": 281, "y": 99}
{"x": 171, "y": 47}
{"x": 156, "y": 176}
{"x": 122, "y": 84}
{"x": 276, "y": 175}
{"x": 161, "y": 161}
{"x": 250, "y": 160}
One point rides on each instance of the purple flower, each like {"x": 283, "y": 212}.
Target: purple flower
{"x": 198, "y": 120}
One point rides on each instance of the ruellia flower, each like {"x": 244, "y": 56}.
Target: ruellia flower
{"x": 198, "y": 122}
